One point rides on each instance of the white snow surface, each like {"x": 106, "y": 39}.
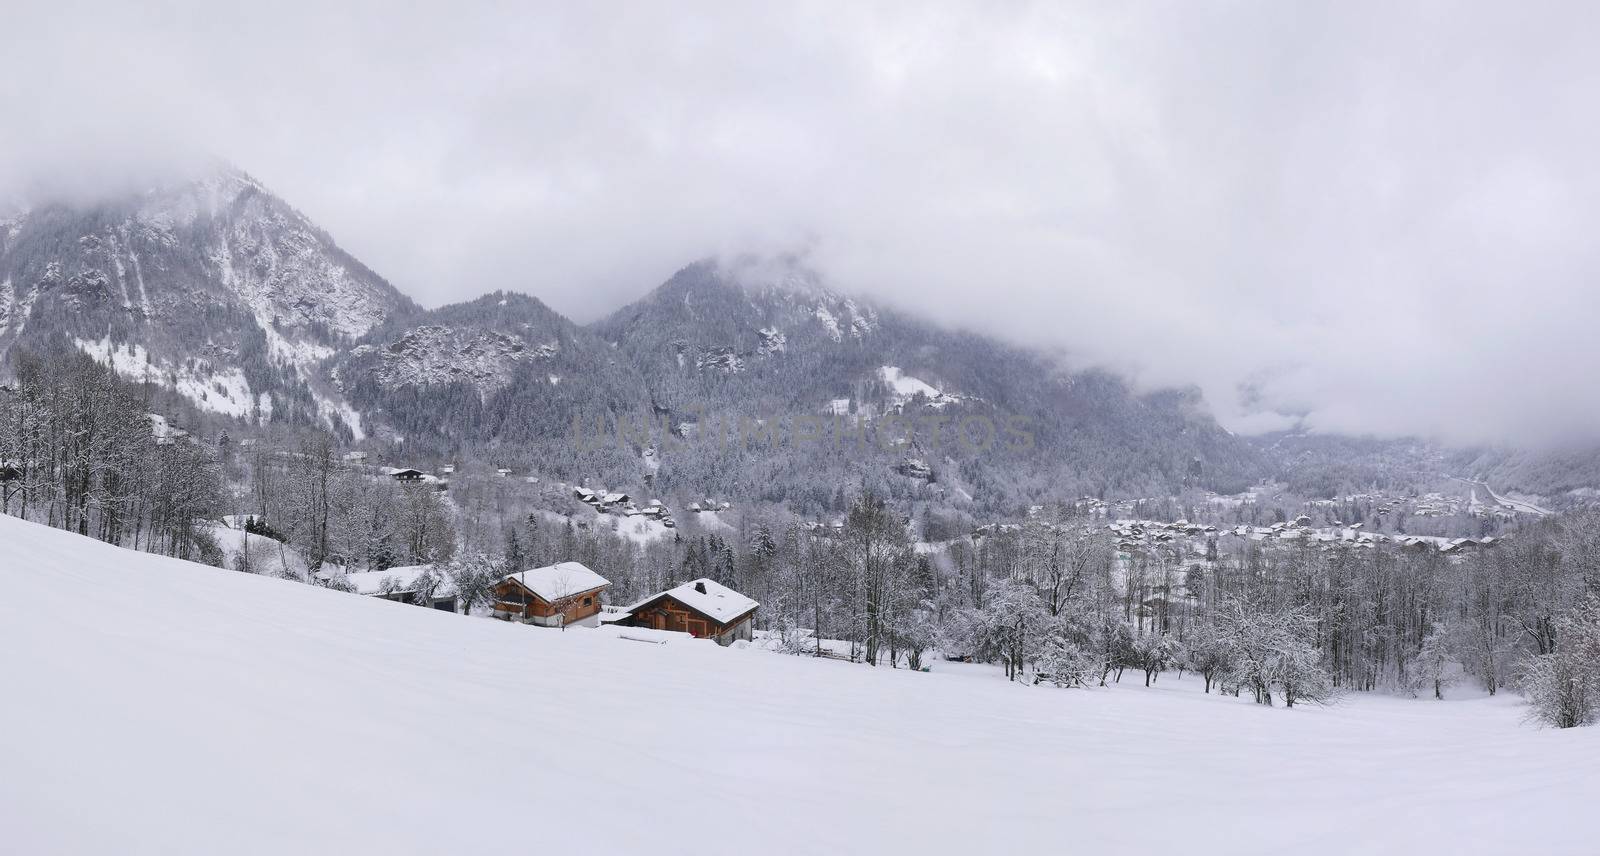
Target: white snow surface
{"x": 16, "y": 304}
{"x": 640, "y": 529}
{"x": 906, "y": 387}
{"x": 160, "y": 707}
{"x": 301, "y": 354}
{"x": 563, "y": 579}
{"x": 829, "y": 322}
{"x": 904, "y": 384}
{"x": 8, "y": 298}
{"x": 337, "y": 408}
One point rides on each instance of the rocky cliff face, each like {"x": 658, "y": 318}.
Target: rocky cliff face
{"x": 432, "y": 354}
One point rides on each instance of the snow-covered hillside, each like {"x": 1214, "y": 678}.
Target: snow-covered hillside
{"x": 155, "y": 706}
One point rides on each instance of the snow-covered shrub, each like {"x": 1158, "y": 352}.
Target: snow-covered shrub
{"x": 1207, "y": 653}
{"x": 1429, "y": 670}
{"x": 1273, "y": 650}
{"x": 1066, "y": 664}
{"x": 1563, "y": 687}
{"x": 1153, "y": 653}
{"x": 206, "y": 550}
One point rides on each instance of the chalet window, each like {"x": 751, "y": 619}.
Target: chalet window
{"x": 588, "y": 601}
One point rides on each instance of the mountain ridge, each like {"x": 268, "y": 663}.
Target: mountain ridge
{"x": 225, "y": 294}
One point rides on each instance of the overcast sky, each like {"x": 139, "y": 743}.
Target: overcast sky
{"x": 1381, "y": 216}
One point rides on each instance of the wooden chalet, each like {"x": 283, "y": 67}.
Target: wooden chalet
{"x": 552, "y": 596}
{"x": 704, "y": 609}
{"x": 405, "y": 474}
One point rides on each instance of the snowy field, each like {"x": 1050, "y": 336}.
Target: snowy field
{"x": 153, "y": 706}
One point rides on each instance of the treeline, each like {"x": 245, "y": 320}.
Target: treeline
{"x": 333, "y": 513}
{"x": 79, "y": 451}
{"x": 1052, "y": 602}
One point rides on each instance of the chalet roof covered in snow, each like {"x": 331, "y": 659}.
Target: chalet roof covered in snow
{"x": 563, "y": 579}
{"x": 708, "y": 597}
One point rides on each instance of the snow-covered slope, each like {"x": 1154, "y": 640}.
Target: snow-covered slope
{"x": 154, "y": 706}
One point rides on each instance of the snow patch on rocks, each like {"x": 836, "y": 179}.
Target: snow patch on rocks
{"x": 223, "y": 391}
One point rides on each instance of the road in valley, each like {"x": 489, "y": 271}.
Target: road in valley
{"x": 1516, "y": 505}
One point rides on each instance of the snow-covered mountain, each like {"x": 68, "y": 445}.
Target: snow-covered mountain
{"x": 771, "y": 341}
{"x": 502, "y": 368}
{"x": 209, "y": 286}
{"x": 225, "y": 296}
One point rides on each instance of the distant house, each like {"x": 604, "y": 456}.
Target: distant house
{"x": 503, "y": 472}
{"x": 552, "y": 596}
{"x": 702, "y": 608}
{"x": 447, "y": 469}
{"x": 405, "y": 474}
{"x": 418, "y": 584}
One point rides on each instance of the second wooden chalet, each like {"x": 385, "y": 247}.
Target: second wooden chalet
{"x": 704, "y": 609}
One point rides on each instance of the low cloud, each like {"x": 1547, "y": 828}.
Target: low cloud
{"x": 1343, "y": 216}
